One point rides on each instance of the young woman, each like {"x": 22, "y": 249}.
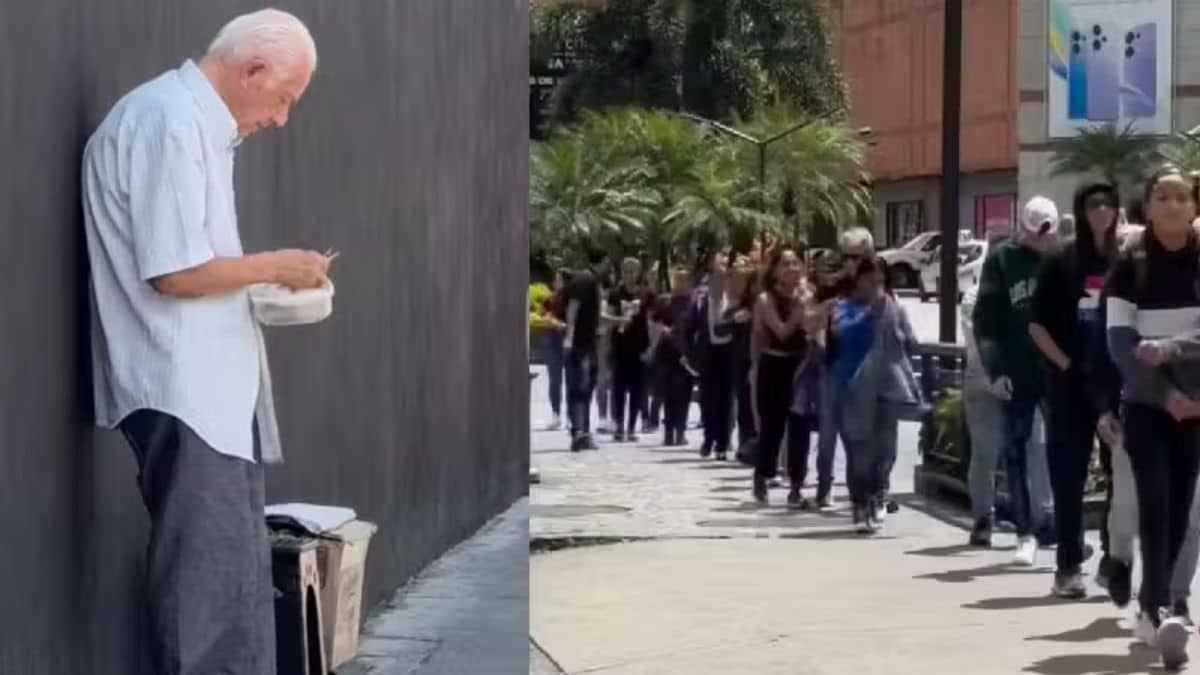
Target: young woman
{"x": 780, "y": 344}
{"x": 1066, "y": 307}
{"x": 674, "y": 381}
{"x": 1153, "y": 307}
{"x": 713, "y": 345}
{"x": 630, "y": 339}
{"x": 871, "y": 369}
{"x": 736, "y": 322}
{"x": 554, "y": 311}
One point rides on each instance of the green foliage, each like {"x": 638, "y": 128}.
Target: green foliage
{"x": 1119, "y": 156}
{"x": 716, "y": 58}
{"x": 1182, "y": 150}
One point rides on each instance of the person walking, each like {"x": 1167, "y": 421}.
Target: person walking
{"x": 1153, "y": 298}
{"x": 780, "y": 346}
{"x": 872, "y": 343}
{"x": 630, "y": 339}
{"x": 1001, "y": 317}
{"x": 675, "y": 379}
{"x": 712, "y": 345}
{"x": 554, "y": 322}
{"x": 737, "y": 322}
{"x": 179, "y": 361}
{"x": 1065, "y": 329}
{"x": 580, "y": 347}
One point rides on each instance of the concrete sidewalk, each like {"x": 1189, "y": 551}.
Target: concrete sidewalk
{"x": 466, "y": 614}
{"x": 657, "y": 562}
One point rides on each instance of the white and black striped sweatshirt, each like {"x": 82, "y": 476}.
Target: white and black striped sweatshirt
{"x": 1159, "y": 301}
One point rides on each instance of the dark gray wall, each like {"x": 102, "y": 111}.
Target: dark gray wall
{"x": 408, "y": 155}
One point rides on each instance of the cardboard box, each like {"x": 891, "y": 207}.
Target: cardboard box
{"x": 342, "y": 559}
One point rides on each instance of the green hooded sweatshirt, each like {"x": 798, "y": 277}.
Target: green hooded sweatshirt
{"x": 1002, "y": 314}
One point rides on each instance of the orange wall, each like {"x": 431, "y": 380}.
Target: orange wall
{"x": 891, "y": 54}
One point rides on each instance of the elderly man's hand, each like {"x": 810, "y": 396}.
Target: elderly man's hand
{"x": 298, "y": 269}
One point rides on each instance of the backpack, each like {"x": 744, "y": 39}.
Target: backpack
{"x": 1135, "y": 246}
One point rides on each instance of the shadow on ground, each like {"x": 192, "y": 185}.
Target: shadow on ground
{"x": 1028, "y": 602}
{"x": 1139, "y": 660}
{"x": 1100, "y": 629}
{"x": 954, "y": 551}
{"x": 962, "y": 576}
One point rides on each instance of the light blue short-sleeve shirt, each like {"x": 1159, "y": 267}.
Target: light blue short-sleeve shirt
{"x": 158, "y": 198}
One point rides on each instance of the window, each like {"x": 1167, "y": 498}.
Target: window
{"x": 904, "y": 221}
{"x": 995, "y": 215}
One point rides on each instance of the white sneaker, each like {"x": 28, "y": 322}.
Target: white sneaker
{"x": 1026, "y": 554}
{"x": 555, "y": 424}
{"x": 1172, "y": 641}
{"x": 1144, "y": 630}
{"x": 880, "y": 513}
{"x": 602, "y": 427}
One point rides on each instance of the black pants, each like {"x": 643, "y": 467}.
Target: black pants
{"x": 1107, "y": 468}
{"x": 581, "y": 367}
{"x": 745, "y": 412}
{"x": 208, "y": 566}
{"x": 1164, "y": 457}
{"x": 676, "y": 388}
{"x": 774, "y": 396}
{"x": 628, "y": 386}
{"x": 716, "y": 397}
{"x": 1070, "y": 437}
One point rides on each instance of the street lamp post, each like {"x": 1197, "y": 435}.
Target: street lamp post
{"x": 761, "y": 144}
{"x": 951, "y": 122}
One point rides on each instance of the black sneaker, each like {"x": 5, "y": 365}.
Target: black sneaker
{"x": 577, "y": 443}
{"x": 1180, "y": 609}
{"x": 1103, "y": 572}
{"x": 892, "y": 506}
{"x": 589, "y": 443}
{"x": 760, "y": 491}
{"x": 618, "y": 437}
{"x": 981, "y": 534}
{"x": 1120, "y": 585}
{"x": 1069, "y": 586}
{"x": 631, "y": 437}
{"x": 706, "y": 449}
{"x": 795, "y": 500}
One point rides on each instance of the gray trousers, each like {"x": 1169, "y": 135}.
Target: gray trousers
{"x": 871, "y": 455}
{"x": 1123, "y": 526}
{"x": 208, "y": 568}
{"x": 985, "y": 423}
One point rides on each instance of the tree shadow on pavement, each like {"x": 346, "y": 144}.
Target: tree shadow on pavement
{"x": 1100, "y": 629}
{"x": 1029, "y": 602}
{"x": 835, "y": 535}
{"x": 962, "y": 576}
{"x": 954, "y": 551}
{"x": 1138, "y": 660}
{"x": 681, "y": 460}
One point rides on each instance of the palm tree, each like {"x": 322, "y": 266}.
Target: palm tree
{"x": 574, "y": 199}
{"x": 817, "y": 171}
{"x": 1119, "y": 156}
{"x": 1182, "y": 150}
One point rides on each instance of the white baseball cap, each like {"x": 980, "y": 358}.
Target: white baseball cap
{"x": 1039, "y": 217}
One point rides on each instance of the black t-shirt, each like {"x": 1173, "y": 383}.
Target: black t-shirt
{"x": 629, "y": 342}
{"x": 585, "y": 290}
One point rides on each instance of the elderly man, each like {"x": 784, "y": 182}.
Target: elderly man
{"x": 180, "y": 364}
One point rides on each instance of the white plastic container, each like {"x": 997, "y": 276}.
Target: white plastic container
{"x": 276, "y": 305}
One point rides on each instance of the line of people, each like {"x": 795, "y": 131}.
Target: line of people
{"x": 779, "y": 352}
{"x": 1101, "y": 336}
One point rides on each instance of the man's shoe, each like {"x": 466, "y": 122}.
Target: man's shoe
{"x": 706, "y": 449}
{"x": 981, "y": 534}
{"x": 760, "y": 491}
{"x": 722, "y": 454}
{"x": 795, "y": 500}
{"x": 631, "y": 437}
{"x": 555, "y": 424}
{"x": 577, "y": 443}
{"x": 1120, "y": 583}
{"x": 1026, "y": 554}
{"x": 892, "y": 506}
{"x": 1172, "y": 638}
{"x": 589, "y": 443}
{"x": 1144, "y": 631}
{"x": 618, "y": 437}
{"x": 825, "y": 500}
{"x": 1069, "y": 586}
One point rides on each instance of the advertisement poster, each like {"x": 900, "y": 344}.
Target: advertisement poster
{"x": 1109, "y": 61}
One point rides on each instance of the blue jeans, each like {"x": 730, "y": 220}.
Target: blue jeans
{"x": 827, "y": 434}
{"x": 555, "y": 362}
{"x": 1018, "y": 428}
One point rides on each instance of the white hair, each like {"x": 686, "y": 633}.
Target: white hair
{"x": 276, "y": 37}
{"x": 857, "y": 239}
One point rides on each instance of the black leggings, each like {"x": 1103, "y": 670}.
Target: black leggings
{"x": 774, "y": 396}
{"x": 677, "y": 396}
{"x": 628, "y": 385}
{"x": 1164, "y": 457}
{"x": 716, "y": 397}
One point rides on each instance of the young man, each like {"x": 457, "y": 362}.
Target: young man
{"x": 674, "y": 378}
{"x": 1001, "y": 319}
{"x": 1065, "y": 330}
{"x": 580, "y": 346}
{"x": 1153, "y": 306}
